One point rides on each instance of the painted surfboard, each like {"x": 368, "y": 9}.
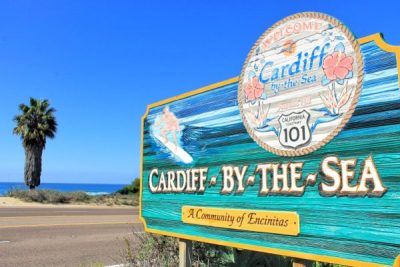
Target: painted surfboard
{"x": 176, "y": 150}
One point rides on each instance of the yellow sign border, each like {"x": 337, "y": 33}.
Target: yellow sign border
{"x": 380, "y": 42}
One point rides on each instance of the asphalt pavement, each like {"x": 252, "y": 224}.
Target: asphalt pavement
{"x": 61, "y": 236}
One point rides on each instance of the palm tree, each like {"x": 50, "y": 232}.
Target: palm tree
{"x": 35, "y": 123}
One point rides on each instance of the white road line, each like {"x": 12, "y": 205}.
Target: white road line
{"x": 5, "y": 241}
{"x": 118, "y": 265}
{"x": 72, "y": 211}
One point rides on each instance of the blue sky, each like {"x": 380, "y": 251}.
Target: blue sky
{"x": 101, "y": 62}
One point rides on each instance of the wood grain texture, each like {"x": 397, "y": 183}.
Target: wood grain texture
{"x": 185, "y": 253}
{"x": 360, "y": 229}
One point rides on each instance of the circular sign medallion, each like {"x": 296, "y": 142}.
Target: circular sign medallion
{"x": 300, "y": 83}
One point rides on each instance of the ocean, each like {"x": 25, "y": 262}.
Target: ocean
{"x": 91, "y": 189}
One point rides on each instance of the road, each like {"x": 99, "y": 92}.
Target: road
{"x": 64, "y": 236}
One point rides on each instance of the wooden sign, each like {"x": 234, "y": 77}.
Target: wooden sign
{"x": 299, "y": 156}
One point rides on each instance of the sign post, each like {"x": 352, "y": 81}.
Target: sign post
{"x": 185, "y": 253}
{"x": 298, "y": 156}
{"x": 302, "y": 263}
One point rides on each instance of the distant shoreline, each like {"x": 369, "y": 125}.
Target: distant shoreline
{"x": 50, "y": 196}
{"x": 90, "y": 189}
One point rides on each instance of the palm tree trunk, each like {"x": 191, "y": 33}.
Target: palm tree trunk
{"x": 33, "y": 165}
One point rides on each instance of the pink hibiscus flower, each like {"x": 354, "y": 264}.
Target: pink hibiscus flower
{"x": 254, "y": 89}
{"x": 337, "y": 66}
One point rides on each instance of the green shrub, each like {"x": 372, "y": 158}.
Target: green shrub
{"x": 147, "y": 250}
{"x": 79, "y": 196}
{"x": 49, "y": 196}
{"x": 153, "y": 250}
{"x": 211, "y": 255}
{"x": 57, "y": 197}
{"x": 158, "y": 250}
{"x": 30, "y": 196}
{"x": 130, "y": 189}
